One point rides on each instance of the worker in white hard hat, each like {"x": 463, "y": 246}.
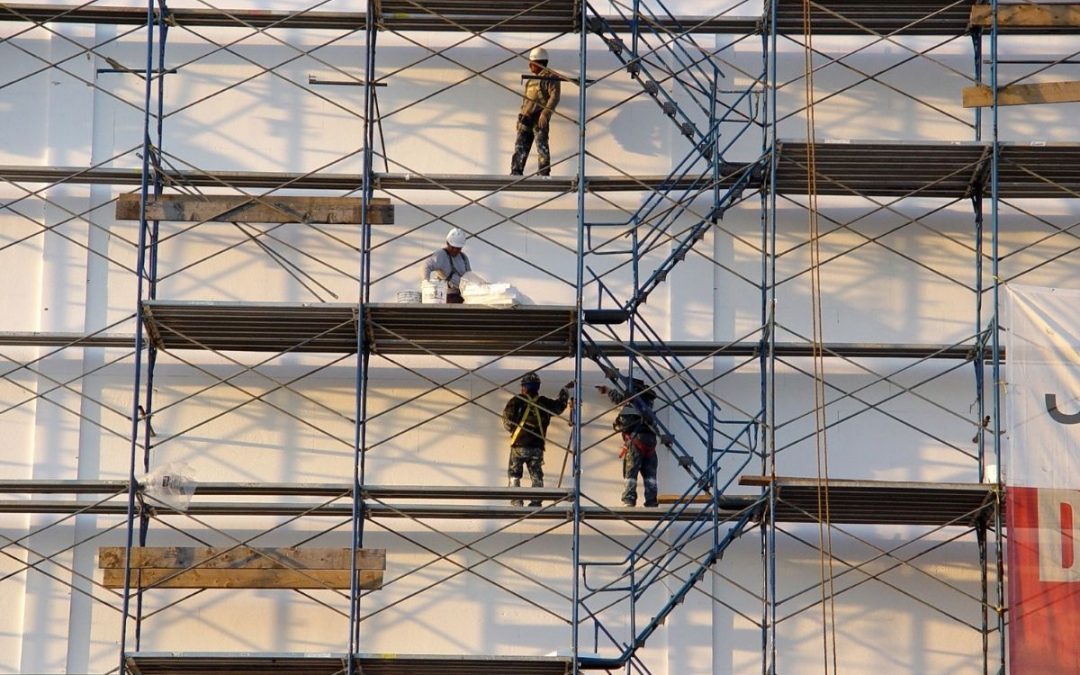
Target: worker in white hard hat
{"x": 448, "y": 264}
{"x": 542, "y": 92}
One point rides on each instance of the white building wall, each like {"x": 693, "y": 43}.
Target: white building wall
{"x": 452, "y": 587}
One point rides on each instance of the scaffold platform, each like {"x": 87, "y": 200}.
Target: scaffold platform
{"x": 849, "y": 501}
{"x": 829, "y": 17}
{"x": 525, "y": 330}
{"x": 180, "y": 663}
{"x": 872, "y": 502}
{"x": 943, "y": 170}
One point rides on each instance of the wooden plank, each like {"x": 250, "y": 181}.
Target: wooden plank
{"x": 241, "y": 578}
{"x": 1023, "y": 94}
{"x": 270, "y": 209}
{"x": 756, "y": 481}
{"x": 1027, "y": 16}
{"x": 675, "y": 499}
{"x": 205, "y": 557}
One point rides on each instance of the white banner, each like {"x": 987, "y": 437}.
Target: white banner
{"x": 1042, "y": 403}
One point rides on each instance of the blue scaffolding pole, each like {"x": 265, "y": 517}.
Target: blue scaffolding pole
{"x": 146, "y": 284}
{"x": 370, "y": 122}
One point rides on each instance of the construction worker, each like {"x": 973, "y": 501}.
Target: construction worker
{"x": 448, "y": 264}
{"x": 526, "y": 416}
{"x": 541, "y": 97}
{"x": 637, "y": 425}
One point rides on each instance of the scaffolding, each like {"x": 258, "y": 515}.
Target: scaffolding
{"x": 218, "y": 285}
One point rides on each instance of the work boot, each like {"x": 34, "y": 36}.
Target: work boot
{"x": 537, "y": 482}
{"x": 630, "y": 504}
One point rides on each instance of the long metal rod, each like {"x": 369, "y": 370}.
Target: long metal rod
{"x": 576, "y": 410}
{"x": 995, "y": 330}
{"x": 768, "y": 355}
{"x": 979, "y": 367}
{"x": 361, "y": 382}
{"x": 136, "y": 405}
{"x": 152, "y": 281}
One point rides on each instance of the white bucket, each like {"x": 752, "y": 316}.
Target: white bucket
{"x": 433, "y": 292}
{"x": 990, "y": 474}
{"x": 409, "y": 297}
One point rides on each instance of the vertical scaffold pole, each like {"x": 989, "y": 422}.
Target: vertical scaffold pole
{"x": 575, "y": 429}
{"x": 140, "y": 264}
{"x": 767, "y": 360}
{"x": 152, "y": 262}
{"x": 360, "y": 426}
{"x": 994, "y": 330}
{"x": 979, "y": 361}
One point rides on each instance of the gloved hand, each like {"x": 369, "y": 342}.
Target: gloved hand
{"x": 602, "y": 389}
{"x": 437, "y": 275}
{"x": 569, "y": 385}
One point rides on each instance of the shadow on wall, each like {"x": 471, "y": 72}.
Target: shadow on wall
{"x": 636, "y": 131}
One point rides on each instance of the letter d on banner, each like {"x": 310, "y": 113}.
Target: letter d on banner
{"x": 1058, "y": 536}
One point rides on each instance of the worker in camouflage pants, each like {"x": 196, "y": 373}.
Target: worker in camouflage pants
{"x": 526, "y": 416}
{"x": 636, "y": 423}
{"x": 541, "y": 97}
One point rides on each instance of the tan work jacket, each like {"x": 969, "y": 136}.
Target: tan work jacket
{"x": 541, "y": 96}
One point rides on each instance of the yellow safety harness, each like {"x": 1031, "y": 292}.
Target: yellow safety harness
{"x": 530, "y": 407}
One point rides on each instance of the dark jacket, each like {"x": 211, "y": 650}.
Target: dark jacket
{"x": 637, "y": 414}
{"x": 533, "y": 416}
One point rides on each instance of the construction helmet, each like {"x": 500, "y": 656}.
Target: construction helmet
{"x": 538, "y": 54}
{"x": 456, "y": 238}
{"x": 530, "y": 379}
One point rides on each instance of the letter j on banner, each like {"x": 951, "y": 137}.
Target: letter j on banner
{"x": 1042, "y": 468}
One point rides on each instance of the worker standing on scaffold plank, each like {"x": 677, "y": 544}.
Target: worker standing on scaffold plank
{"x": 541, "y": 97}
{"x": 526, "y": 416}
{"x": 636, "y": 423}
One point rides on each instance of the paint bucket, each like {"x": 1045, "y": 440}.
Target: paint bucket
{"x": 406, "y": 297}
{"x": 990, "y": 474}
{"x": 433, "y": 292}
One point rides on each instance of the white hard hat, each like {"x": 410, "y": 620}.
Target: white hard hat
{"x": 538, "y": 54}
{"x": 456, "y": 238}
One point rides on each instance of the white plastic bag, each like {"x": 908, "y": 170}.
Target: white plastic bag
{"x": 471, "y": 282}
{"x": 170, "y": 485}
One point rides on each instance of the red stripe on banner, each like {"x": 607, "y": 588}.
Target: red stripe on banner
{"x": 1044, "y": 586}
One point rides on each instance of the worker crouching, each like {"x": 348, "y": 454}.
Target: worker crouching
{"x": 449, "y": 264}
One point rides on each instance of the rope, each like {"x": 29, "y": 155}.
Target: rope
{"x": 828, "y": 604}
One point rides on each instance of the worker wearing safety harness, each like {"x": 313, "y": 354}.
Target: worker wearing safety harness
{"x": 637, "y": 424}
{"x": 526, "y": 416}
